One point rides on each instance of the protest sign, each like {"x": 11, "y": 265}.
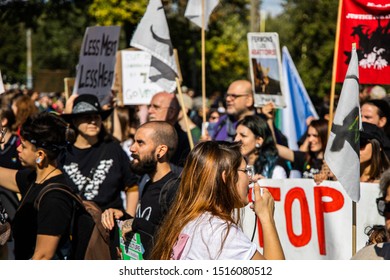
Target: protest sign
{"x": 266, "y": 68}
{"x": 95, "y": 71}
{"x": 137, "y": 88}
{"x": 315, "y": 222}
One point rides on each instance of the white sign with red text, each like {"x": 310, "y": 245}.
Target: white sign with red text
{"x": 314, "y": 222}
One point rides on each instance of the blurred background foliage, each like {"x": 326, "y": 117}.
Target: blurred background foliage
{"x": 307, "y": 28}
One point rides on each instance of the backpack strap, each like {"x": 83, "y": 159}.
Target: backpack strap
{"x": 87, "y": 206}
{"x": 58, "y": 187}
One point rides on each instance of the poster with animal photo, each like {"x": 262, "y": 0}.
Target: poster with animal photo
{"x": 266, "y": 68}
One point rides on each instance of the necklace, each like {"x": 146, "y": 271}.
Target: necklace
{"x": 47, "y": 176}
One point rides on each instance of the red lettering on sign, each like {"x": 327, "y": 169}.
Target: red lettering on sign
{"x": 275, "y": 192}
{"x": 298, "y": 240}
{"x": 321, "y": 207}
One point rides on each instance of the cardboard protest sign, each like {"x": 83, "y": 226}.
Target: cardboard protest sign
{"x": 314, "y": 222}
{"x": 137, "y": 88}
{"x": 95, "y": 71}
{"x": 266, "y": 68}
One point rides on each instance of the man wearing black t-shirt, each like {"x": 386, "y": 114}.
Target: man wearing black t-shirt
{"x": 154, "y": 144}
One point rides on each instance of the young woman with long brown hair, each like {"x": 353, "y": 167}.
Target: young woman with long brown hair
{"x": 204, "y": 220}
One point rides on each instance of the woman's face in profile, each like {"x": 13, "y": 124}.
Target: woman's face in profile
{"x": 243, "y": 183}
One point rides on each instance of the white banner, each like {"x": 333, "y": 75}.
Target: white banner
{"x": 266, "y": 68}
{"x": 95, "y": 71}
{"x": 136, "y": 85}
{"x": 315, "y": 222}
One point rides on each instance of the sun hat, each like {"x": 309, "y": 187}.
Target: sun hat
{"x": 86, "y": 104}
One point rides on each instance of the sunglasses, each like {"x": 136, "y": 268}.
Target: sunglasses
{"x": 383, "y": 206}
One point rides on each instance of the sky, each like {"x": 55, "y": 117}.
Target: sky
{"x": 272, "y": 7}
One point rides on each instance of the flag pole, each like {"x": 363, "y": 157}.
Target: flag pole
{"x": 183, "y": 109}
{"x": 336, "y": 51}
{"x": 354, "y": 205}
{"x": 203, "y": 66}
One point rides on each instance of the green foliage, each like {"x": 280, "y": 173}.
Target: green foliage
{"x": 115, "y": 12}
{"x": 308, "y": 29}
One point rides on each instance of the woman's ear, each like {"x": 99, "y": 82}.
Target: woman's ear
{"x": 259, "y": 141}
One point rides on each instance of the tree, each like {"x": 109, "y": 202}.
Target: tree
{"x": 308, "y": 30}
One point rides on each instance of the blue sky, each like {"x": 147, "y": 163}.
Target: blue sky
{"x": 272, "y": 6}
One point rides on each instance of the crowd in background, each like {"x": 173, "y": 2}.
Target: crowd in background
{"x": 230, "y": 117}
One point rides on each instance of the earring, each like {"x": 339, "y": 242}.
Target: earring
{"x": 38, "y": 160}
{"x": 257, "y": 145}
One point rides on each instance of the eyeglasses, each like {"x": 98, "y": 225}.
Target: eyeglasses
{"x": 383, "y": 206}
{"x": 158, "y": 108}
{"x": 249, "y": 170}
{"x": 234, "y": 95}
{"x": 3, "y": 131}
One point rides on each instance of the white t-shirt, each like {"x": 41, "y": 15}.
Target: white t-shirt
{"x": 205, "y": 236}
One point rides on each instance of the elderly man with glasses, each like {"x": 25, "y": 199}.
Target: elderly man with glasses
{"x": 239, "y": 103}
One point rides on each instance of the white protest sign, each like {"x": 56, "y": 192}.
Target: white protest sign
{"x": 137, "y": 88}
{"x": 266, "y": 68}
{"x": 2, "y": 90}
{"x": 95, "y": 71}
{"x": 315, "y": 222}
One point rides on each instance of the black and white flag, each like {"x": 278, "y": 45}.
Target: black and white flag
{"x": 342, "y": 152}
{"x": 152, "y": 35}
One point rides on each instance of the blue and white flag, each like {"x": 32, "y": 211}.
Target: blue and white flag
{"x": 342, "y": 153}
{"x": 194, "y": 11}
{"x": 152, "y": 35}
{"x": 298, "y": 104}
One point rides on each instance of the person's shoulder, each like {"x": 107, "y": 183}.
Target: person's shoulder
{"x": 380, "y": 251}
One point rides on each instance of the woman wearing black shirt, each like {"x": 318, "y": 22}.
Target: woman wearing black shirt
{"x": 42, "y": 234}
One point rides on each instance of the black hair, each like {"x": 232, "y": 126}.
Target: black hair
{"x": 46, "y": 131}
{"x": 267, "y": 153}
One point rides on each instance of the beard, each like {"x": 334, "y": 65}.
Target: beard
{"x": 147, "y": 165}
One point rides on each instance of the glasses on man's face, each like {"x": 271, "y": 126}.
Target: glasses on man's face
{"x": 3, "y": 131}
{"x": 233, "y": 96}
{"x": 383, "y": 206}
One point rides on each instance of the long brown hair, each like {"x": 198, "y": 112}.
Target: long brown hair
{"x": 203, "y": 189}
{"x": 379, "y": 161}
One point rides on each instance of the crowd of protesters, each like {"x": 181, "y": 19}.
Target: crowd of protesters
{"x": 123, "y": 157}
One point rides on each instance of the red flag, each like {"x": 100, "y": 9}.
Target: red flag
{"x": 366, "y": 23}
